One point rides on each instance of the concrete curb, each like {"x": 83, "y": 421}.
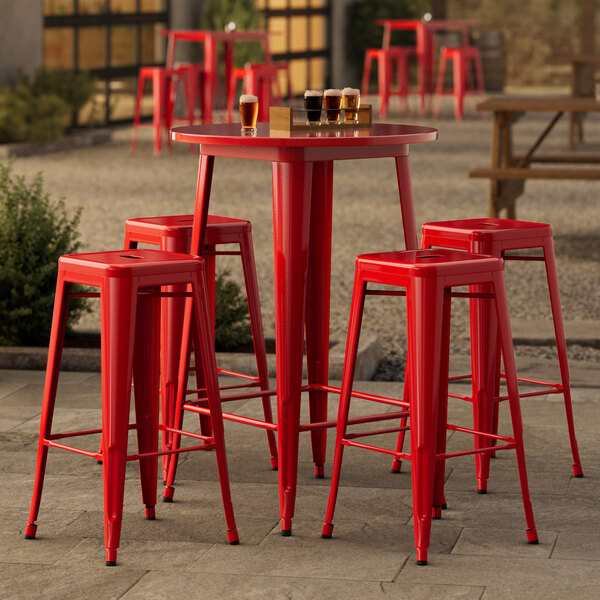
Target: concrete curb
{"x": 88, "y": 359}
{"x": 78, "y": 139}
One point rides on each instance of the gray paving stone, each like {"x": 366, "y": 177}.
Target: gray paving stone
{"x": 509, "y": 578}
{"x": 161, "y": 585}
{"x": 323, "y": 562}
{"x": 577, "y": 546}
{"x": 26, "y": 582}
{"x": 41, "y": 550}
{"x": 362, "y": 535}
{"x": 503, "y": 542}
{"x": 419, "y": 591}
{"x": 135, "y": 554}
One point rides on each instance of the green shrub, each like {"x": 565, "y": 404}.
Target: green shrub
{"x": 363, "y": 33}
{"x": 24, "y": 116}
{"x": 232, "y": 325}
{"x": 34, "y": 232}
{"x": 74, "y": 87}
{"x": 217, "y": 13}
{"x": 39, "y": 109}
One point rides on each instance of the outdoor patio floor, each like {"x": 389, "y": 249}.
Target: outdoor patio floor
{"x": 478, "y": 550}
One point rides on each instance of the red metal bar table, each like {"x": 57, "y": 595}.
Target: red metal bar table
{"x": 425, "y": 31}
{"x": 302, "y": 167}
{"x": 211, "y": 39}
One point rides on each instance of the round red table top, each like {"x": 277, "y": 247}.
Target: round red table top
{"x": 378, "y": 134}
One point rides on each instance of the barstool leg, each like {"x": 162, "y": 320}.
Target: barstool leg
{"x": 203, "y": 322}
{"x": 136, "y": 118}
{"x": 356, "y": 313}
{"x": 484, "y": 343}
{"x": 513, "y": 398}
{"x": 145, "y": 390}
{"x": 118, "y": 314}
{"x": 425, "y": 317}
{"x": 57, "y": 335}
{"x": 439, "y": 499}
{"x": 561, "y": 347}
{"x": 397, "y": 463}
{"x": 258, "y": 338}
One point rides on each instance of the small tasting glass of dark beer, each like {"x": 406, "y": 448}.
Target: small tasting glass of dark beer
{"x": 248, "y": 112}
{"x": 332, "y": 103}
{"x": 313, "y": 101}
{"x": 350, "y": 104}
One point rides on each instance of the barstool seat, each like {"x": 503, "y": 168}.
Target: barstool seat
{"x": 498, "y": 237}
{"x": 129, "y": 285}
{"x": 428, "y": 277}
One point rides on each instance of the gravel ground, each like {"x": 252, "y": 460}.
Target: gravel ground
{"x": 112, "y": 185}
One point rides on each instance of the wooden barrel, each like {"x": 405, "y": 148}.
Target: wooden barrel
{"x": 493, "y": 58}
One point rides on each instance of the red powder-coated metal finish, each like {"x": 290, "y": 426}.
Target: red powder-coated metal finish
{"x": 173, "y": 233}
{"x": 428, "y": 276}
{"x": 496, "y": 237}
{"x": 130, "y": 314}
{"x": 302, "y": 175}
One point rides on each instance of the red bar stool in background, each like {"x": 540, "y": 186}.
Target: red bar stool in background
{"x": 385, "y": 59}
{"x": 129, "y": 290}
{"x": 164, "y": 86}
{"x": 173, "y": 233}
{"x": 497, "y": 237}
{"x": 195, "y": 77}
{"x": 428, "y": 277}
{"x": 259, "y": 79}
{"x": 463, "y": 59}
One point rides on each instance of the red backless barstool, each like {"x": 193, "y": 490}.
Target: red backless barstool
{"x": 462, "y": 59}
{"x": 385, "y": 58}
{"x": 173, "y": 233}
{"x": 164, "y": 86}
{"x": 498, "y": 237}
{"x": 129, "y": 290}
{"x": 428, "y": 277}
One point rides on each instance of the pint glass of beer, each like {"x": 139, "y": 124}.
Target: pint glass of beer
{"x": 350, "y": 104}
{"x": 313, "y": 101}
{"x": 248, "y": 112}
{"x": 332, "y": 103}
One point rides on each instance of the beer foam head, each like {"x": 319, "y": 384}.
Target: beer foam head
{"x": 313, "y": 93}
{"x": 332, "y": 92}
{"x": 248, "y": 98}
{"x": 347, "y": 91}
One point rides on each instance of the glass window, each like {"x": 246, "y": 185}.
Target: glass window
{"x": 122, "y": 46}
{"x": 318, "y": 32}
{"x": 153, "y": 45}
{"x": 278, "y": 41}
{"x": 58, "y": 7}
{"x": 58, "y": 48}
{"x": 92, "y": 7}
{"x": 123, "y": 6}
{"x": 92, "y": 47}
{"x": 298, "y": 34}
{"x": 153, "y": 5}
{"x": 299, "y": 75}
{"x": 317, "y": 73}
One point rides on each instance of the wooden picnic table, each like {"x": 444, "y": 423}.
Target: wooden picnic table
{"x": 509, "y": 171}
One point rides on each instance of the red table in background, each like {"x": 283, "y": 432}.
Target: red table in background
{"x": 302, "y": 184}
{"x": 425, "y": 31}
{"x": 211, "y": 39}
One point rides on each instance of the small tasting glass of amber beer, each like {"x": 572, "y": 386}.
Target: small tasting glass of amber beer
{"x": 350, "y": 104}
{"x": 332, "y": 103}
{"x": 313, "y": 101}
{"x": 248, "y": 112}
